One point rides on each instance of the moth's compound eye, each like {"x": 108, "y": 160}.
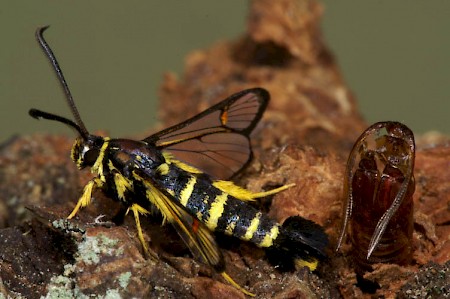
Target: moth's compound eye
{"x": 90, "y": 156}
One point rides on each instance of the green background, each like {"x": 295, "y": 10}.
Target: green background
{"x": 395, "y": 56}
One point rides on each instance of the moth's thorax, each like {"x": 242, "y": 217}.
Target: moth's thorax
{"x": 127, "y": 155}
{"x": 85, "y": 152}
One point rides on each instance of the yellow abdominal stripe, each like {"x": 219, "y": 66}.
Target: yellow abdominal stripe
{"x": 216, "y": 210}
{"x": 185, "y": 194}
{"x": 268, "y": 238}
{"x": 252, "y": 227}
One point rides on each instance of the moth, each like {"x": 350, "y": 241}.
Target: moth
{"x": 184, "y": 173}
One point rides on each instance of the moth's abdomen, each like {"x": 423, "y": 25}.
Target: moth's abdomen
{"x": 236, "y": 218}
{"x": 298, "y": 241}
{"x": 219, "y": 211}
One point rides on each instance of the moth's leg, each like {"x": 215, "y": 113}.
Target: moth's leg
{"x": 85, "y": 199}
{"x": 137, "y": 209}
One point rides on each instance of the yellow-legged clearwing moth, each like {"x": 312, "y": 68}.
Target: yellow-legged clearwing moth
{"x": 184, "y": 172}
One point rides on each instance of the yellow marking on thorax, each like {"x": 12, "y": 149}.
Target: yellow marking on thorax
{"x": 168, "y": 157}
{"x": 171, "y": 160}
{"x": 268, "y": 238}
{"x": 185, "y": 194}
{"x": 98, "y": 165}
{"x": 186, "y": 167}
{"x": 163, "y": 169}
{"x": 216, "y": 210}
{"x": 252, "y": 227}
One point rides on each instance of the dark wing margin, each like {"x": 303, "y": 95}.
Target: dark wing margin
{"x": 216, "y": 140}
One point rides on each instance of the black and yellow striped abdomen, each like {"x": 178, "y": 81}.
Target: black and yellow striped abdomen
{"x": 146, "y": 180}
{"x": 216, "y": 208}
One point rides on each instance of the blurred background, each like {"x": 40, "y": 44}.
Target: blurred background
{"x": 395, "y": 56}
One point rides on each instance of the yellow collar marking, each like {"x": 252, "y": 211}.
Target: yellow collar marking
{"x": 98, "y": 165}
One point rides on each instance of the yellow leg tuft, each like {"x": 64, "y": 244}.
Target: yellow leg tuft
{"x": 85, "y": 199}
{"x": 273, "y": 191}
{"x": 137, "y": 209}
{"x": 244, "y": 194}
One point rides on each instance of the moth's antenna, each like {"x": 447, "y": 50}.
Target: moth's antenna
{"x": 51, "y": 57}
{"x": 50, "y": 116}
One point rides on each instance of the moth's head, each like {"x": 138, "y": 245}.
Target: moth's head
{"x": 86, "y": 148}
{"x": 85, "y": 152}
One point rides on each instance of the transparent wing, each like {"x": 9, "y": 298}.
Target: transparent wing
{"x": 216, "y": 140}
